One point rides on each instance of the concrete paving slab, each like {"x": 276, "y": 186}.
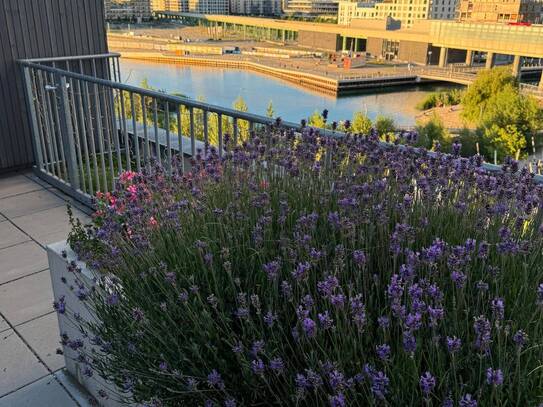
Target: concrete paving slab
{"x": 16, "y": 184}
{"x": 50, "y": 225}
{"x": 19, "y": 366}
{"x": 10, "y": 235}
{"x": 44, "y": 392}
{"x": 27, "y": 298}
{"x": 32, "y": 202}
{"x": 21, "y": 260}
{"x": 3, "y": 325}
{"x": 43, "y": 336}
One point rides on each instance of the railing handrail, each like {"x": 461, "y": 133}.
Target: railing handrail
{"x": 70, "y": 58}
{"x": 177, "y": 100}
{"x": 62, "y": 75}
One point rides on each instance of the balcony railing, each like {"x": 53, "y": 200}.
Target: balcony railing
{"x": 88, "y": 127}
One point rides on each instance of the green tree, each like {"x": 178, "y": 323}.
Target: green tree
{"x": 269, "y": 110}
{"x": 243, "y": 125}
{"x": 316, "y": 120}
{"x": 480, "y": 93}
{"x": 433, "y": 132}
{"x": 361, "y": 123}
{"x": 384, "y": 126}
{"x": 507, "y": 141}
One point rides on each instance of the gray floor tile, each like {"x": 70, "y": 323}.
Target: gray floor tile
{"x": 16, "y": 184}
{"x": 46, "y": 392}
{"x": 3, "y": 325}
{"x": 50, "y": 225}
{"x": 10, "y": 235}
{"x": 19, "y": 365}
{"x": 25, "y": 204}
{"x": 43, "y": 336}
{"x": 33, "y": 177}
{"x": 27, "y": 298}
{"x": 21, "y": 260}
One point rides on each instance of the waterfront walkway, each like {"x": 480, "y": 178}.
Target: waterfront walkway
{"x": 32, "y": 215}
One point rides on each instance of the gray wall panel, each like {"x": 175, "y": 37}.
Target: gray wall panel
{"x": 39, "y": 29}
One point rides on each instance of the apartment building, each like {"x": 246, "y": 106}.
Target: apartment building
{"x": 208, "y": 6}
{"x": 256, "y": 7}
{"x": 508, "y": 11}
{"x": 170, "y": 5}
{"x": 310, "y": 7}
{"x": 127, "y": 9}
{"x": 405, "y": 11}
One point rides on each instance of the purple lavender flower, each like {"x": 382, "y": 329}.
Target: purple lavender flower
{"x": 359, "y": 258}
{"x": 258, "y": 347}
{"x": 310, "y": 327}
{"x": 427, "y": 383}
{"x": 277, "y": 365}
{"x": 336, "y": 379}
{"x": 383, "y": 351}
{"x": 409, "y": 342}
{"x": 337, "y": 300}
{"x": 379, "y": 385}
{"x": 520, "y": 338}
{"x": 214, "y": 379}
{"x": 498, "y": 308}
{"x": 60, "y": 305}
{"x": 540, "y": 294}
{"x": 258, "y": 367}
{"x": 301, "y": 271}
{"x": 337, "y": 400}
{"x": 286, "y": 290}
{"x": 453, "y": 344}
{"x": 494, "y": 377}
{"x": 327, "y": 286}
{"x": 269, "y": 319}
{"x": 230, "y": 403}
{"x": 467, "y": 400}
{"x": 383, "y": 322}
{"x": 272, "y": 269}
{"x": 163, "y": 366}
{"x": 325, "y": 320}
{"x": 482, "y": 330}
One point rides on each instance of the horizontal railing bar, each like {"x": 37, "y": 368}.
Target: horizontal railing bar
{"x": 177, "y": 100}
{"x": 71, "y": 58}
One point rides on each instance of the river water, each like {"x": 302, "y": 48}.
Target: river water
{"x": 222, "y": 87}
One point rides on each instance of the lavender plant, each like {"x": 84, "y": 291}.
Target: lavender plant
{"x": 303, "y": 270}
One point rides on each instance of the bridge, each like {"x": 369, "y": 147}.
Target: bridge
{"x": 437, "y": 42}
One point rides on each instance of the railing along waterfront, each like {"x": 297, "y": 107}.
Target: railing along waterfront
{"x": 88, "y": 127}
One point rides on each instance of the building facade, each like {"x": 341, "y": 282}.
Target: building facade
{"x": 208, "y": 6}
{"x": 514, "y": 11}
{"x": 181, "y": 6}
{"x": 405, "y": 11}
{"x": 310, "y": 7}
{"x": 127, "y": 9}
{"x": 255, "y": 7}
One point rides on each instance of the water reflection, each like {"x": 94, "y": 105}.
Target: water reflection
{"x": 223, "y": 86}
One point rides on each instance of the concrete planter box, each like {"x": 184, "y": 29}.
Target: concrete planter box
{"x": 58, "y": 266}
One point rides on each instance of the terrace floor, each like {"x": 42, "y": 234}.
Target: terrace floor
{"x": 32, "y": 215}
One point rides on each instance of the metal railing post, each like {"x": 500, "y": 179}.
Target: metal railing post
{"x": 66, "y": 129}
{"x": 33, "y": 117}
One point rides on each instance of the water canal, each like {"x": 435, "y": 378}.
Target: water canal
{"x": 223, "y": 86}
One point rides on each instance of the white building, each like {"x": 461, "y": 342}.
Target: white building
{"x": 256, "y": 7}
{"x": 405, "y": 11}
{"x": 208, "y": 6}
{"x": 127, "y": 9}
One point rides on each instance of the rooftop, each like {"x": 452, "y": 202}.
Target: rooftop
{"x": 32, "y": 215}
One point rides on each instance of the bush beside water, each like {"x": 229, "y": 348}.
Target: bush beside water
{"x": 305, "y": 271}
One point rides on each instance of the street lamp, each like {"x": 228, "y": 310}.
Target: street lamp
{"x": 429, "y": 58}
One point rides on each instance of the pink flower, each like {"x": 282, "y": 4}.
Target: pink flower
{"x": 152, "y": 221}
{"x": 127, "y": 176}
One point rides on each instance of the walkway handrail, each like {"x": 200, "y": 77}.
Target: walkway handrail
{"x": 87, "y": 129}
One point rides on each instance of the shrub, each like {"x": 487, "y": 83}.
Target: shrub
{"x": 299, "y": 270}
